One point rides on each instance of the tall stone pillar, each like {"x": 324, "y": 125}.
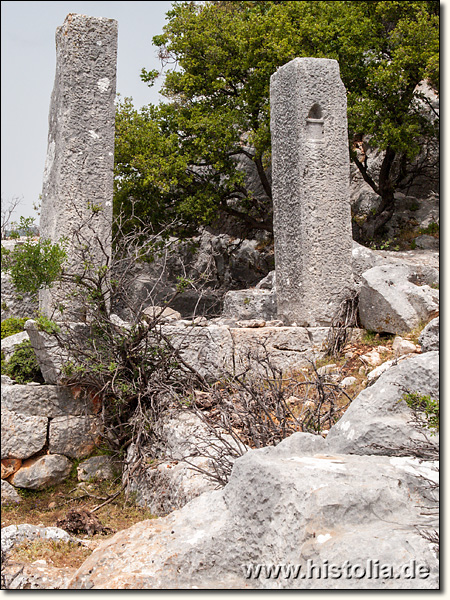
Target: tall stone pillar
{"x": 77, "y": 189}
{"x": 310, "y": 179}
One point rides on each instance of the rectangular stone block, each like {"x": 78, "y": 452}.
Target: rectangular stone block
{"x": 287, "y": 348}
{"x": 74, "y": 436}
{"x": 22, "y": 435}
{"x": 45, "y": 401}
{"x": 310, "y": 174}
{"x": 77, "y": 189}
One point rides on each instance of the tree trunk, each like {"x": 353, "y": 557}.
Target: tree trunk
{"x": 385, "y": 189}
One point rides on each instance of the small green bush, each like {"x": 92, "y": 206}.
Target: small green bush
{"x": 431, "y": 229}
{"x": 23, "y": 366}
{"x": 12, "y": 325}
{"x": 35, "y": 263}
{"x": 426, "y": 405}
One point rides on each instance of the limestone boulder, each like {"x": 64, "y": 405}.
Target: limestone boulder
{"x": 401, "y": 346}
{"x": 168, "y": 485}
{"x": 16, "y": 534}
{"x": 425, "y": 264}
{"x": 74, "y": 436}
{"x": 363, "y": 259}
{"x": 161, "y": 313}
{"x": 221, "y": 262}
{"x": 39, "y": 473}
{"x": 379, "y": 421}
{"x": 268, "y": 282}
{"x": 47, "y": 352}
{"x": 22, "y": 435}
{"x": 429, "y": 338}
{"x": 373, "y": 375}
{"x": 281, "y": 507}
{"x": 393, "y": 300}
{"x": 39, "y": 575}
{"x": 9, "y": 494}
{"x": 427, "y": 242}
{"x": 10, "y": 343}
{"x": 250, "y": 304}
{"x": 364, "y": 200}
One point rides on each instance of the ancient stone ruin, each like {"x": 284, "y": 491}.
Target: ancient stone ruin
{"x": 311, "y": 198}
{"x": 78, "y": 176}
{"x": 289, "y": 502}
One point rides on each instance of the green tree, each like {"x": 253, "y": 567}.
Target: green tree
{"x": 183, "y": 159}
{"x": 34, "y": 263}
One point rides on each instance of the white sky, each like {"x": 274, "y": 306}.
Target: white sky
{"x": 28, "y": 70}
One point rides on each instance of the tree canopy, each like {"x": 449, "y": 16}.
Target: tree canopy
{"x": 185, "y": 159}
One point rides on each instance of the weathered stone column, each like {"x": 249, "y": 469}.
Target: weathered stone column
{"x": 78, "y": 177}
{"x": 310, "y": 178}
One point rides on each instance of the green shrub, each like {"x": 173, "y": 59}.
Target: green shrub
{"x": 426, "y": 405}
{"x": 431, "y": 229}
{"x": 12, "y": 326}
{"x": 23, "y": 366}
{"x": 35, "y": 263}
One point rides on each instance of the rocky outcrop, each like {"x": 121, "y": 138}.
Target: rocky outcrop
{"x": 216, "y": 263}
{"x": 179, "y": 474}
{"x": 309, "y": 504}
{"x": 379, "y": 421}
{"x": 429, "y": 338}
{"x": 280, "y": 507}
{"x": 393, "y": 299}
{"x": 39, "y": 575}
{"x": 15, "y": 534}
{"x": 96, "y": 468}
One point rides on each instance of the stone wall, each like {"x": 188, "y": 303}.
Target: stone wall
{"x": 43, "y": 428}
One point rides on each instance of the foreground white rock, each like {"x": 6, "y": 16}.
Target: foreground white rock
{"x": 279, "y": 508}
